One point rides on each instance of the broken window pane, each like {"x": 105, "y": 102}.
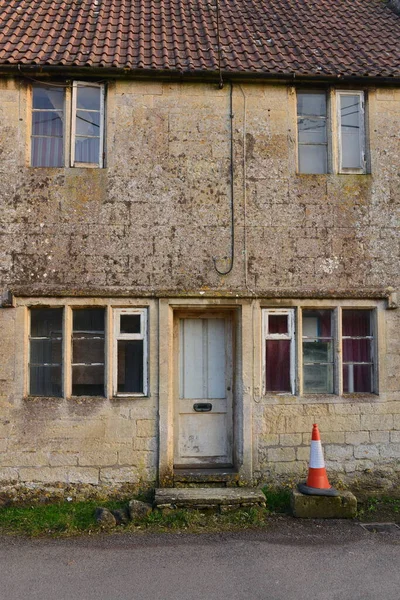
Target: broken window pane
{"x": 130, "y": 366}
{"x": 88, "y": 352}
{"x": 277, "y": 370}
{"x": 88, "y": 117}
{"x": 46, "y": 352}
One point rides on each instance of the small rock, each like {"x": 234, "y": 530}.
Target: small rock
{"x": 121, "y": 516}
{"x": 139, "y": 510}
{"x": 105, "y": 517}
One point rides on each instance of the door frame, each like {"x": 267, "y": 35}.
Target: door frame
{"x": 229, "y": 317}
{"x": 245, "y": 335}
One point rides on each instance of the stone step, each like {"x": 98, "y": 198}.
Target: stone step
{"x": 205, "y": 478}
{"x": 202, "y": 498}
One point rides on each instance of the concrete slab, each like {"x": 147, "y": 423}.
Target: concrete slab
{"x": 208, "y": 497}
{"x": 343, "y": 506}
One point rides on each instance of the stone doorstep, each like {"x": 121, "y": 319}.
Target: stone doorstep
{"x": 201, "y": 498}
{"x": 343, "y": 506}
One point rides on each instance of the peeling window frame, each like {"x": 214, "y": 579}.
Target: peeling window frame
{"x": 111, "y": 335}
{"x": 296, "y": 357}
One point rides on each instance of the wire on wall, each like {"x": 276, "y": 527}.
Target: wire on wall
{"x": 232, "y": 174}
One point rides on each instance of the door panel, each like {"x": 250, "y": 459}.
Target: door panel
{"x": 203, "y": 404}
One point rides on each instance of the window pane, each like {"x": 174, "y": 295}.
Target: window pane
{"x": 277, "y": 370}
{"x": 47, "y": 123}
{"x": 318, "y": 379}
{"x": 312, "y": 130}
{"x": 91, "y": 319}
{"x": 47, "y": 152}
{"x": 87, "y": 123}
{"x": 87, "y": 150}
{"x": 88, "y": 380}
{"x": 130, "y": 366}
{"x": 277, "y": 324}
{"x": 357, "y": 378}
{"x": 357, "y": 350}
{"x": 311, "y": 104}
{"x": 46, "y": 351}
{"x": 88, "y": 97}
{"x": 48, "y": 98}
{"x": 356, "y": 323}
{"x": 317, "y": 323}
{"x": 88, "y": 350}
{"x": 313, "y": 159}
{"x": 317, "y": 351}
{"x": 350, "y": 112}
{"x": 130, "y": 324}
{"x": 45, "y": 381}
{"x": 46, "y": 322}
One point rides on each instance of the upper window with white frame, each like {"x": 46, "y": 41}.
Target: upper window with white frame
{"x": 71, "y": 353}
{"x": 68, "y": 125}
{"x": 336, "y": 352}
{"x": 327, "y": 143}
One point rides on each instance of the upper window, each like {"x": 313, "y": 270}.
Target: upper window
{"x": 326, "y": 144}
{"x": 83, "y": 140}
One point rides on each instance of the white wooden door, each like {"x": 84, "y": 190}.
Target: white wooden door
{"x": 203, "y": 415}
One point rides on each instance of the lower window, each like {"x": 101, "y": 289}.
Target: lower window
{"x": 68, "y": 352}
{"x": 336, "y": 353}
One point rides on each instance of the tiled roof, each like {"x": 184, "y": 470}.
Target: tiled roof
{"x": 304, "y": 37}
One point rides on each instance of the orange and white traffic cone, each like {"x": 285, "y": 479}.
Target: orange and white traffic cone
{"x": 317, "y": 483}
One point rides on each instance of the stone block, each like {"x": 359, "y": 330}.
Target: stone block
{"x": 343, "y": 506}
{"x": 357, "y": 437}
{"x": 377, "y": 422}
{"x": 336, "y": 452}
{"x": 102, "y": 458}
{"x": 145, "y": 428}
{"x": 290, "y": 439}
{"x": 366, "y": 451}
{"x": 281, "y": 454}
{"x": 379, "y": 437}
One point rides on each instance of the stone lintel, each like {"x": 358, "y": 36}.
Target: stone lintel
{"x": 343, "y": 506}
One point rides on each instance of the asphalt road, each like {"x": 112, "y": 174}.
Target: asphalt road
{"x": 292, "y": 559}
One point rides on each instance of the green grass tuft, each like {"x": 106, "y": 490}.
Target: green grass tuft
{"x": 278, "y": 499}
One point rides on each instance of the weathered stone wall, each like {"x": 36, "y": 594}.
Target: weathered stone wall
{"x": 150, "y": 223}
{"x": 154, "y": 218}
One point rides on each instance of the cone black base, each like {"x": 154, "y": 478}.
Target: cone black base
{"x": 310, "y": 491}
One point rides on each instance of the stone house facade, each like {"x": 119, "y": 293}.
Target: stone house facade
{"x": 194, "y": 270}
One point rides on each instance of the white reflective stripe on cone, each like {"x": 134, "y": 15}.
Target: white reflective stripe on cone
{"x": 316, "y": 455}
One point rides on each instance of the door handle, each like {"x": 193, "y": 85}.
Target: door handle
{"x": 202, "y": 406}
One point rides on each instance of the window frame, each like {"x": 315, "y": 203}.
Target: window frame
{"x": 73, "y": 364}
{"x": 69, "y": 124}
{"x": 297, "y": 364}
{"x": 117, "y": 336}
{"x": 61, "y": 339}
{"x": 328, "y": 125}
{"x": 75, "y": 86}
{"x": 290, "y": 335}
{"x": 334, "y": 134}
{"x": 362, "y": 133}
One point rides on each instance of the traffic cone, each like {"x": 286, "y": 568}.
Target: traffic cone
{"x": 317, "y": 483}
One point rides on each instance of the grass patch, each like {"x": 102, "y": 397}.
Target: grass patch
{"x": 379, "y": 509}
{"x": 278, "y": 499}
{"x": 53, "y": 519}
{"x": 77, "y": 518}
